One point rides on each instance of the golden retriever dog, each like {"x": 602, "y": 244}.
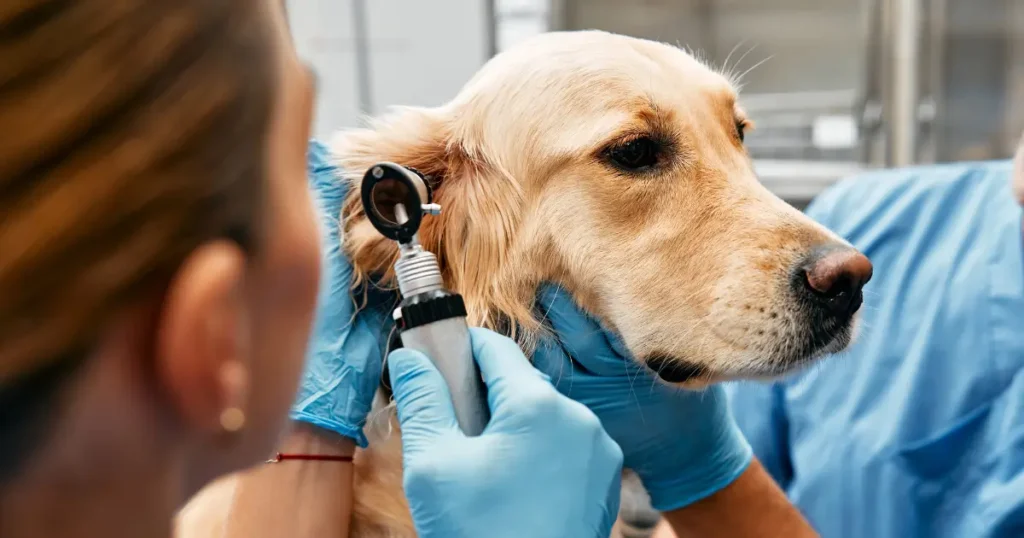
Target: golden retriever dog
{"x": 614, "y": 167}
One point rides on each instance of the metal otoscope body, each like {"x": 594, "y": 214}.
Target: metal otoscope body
{"x": 430, "y": 318}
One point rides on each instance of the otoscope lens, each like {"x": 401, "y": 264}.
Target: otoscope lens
{"x": 386, "y": 194}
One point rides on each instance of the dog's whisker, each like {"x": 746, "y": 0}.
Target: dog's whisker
{"x": 561, "y": 376}
{"x": 632, "y": 392}
{"x": 741, "y": 58}
{"x": 640, "y": 371}
{"x": 729, "y": 72}
{"x": 739, "y": 79}
{"x": 725, "y": 64}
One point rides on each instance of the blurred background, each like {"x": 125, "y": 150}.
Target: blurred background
{"x": 834, "y": 86}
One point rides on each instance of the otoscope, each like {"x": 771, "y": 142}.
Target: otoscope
{"x": 430, "y": 318}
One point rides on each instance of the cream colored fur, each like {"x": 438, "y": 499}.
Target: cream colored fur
{"x": 691, "y": 259}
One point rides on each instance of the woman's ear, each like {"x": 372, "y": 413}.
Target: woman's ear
{"x": 202, "y": 352}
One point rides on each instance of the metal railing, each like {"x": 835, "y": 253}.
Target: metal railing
{"x": 819, "y": 126}
{"x": 804, "y": 141}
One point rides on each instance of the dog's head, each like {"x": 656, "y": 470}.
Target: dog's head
{"x": 615, "y": 167}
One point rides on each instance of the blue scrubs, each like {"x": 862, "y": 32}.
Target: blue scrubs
{"x": 918, "y": 429}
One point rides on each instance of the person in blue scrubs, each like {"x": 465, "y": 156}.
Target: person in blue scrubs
{"x": 917, "y": 430}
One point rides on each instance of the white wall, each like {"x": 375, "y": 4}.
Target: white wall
{"x": 420, "y": 53}
{"x": 323, "y": 35}
{"x": 516, "y": 20}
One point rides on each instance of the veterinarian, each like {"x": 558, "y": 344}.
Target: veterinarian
{"x": 159, "y": 267}
{"x": 684, "y": 445}
{"x": 918, "y": 431}
{"x": 159, "y": 270}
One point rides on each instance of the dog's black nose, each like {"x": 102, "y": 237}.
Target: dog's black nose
{"x": 834, "y": 277}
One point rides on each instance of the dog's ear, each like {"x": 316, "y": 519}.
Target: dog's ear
{"x": 412, "y": 137}
{"x": 474, "y": 235}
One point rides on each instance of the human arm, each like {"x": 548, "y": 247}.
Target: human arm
{"x": 684, "y": 445}
{"x": 311, "y": 499}
{"x": 759, "y": 409}
{"x": 297, "y": 498}
{"x": 751, "y": 506}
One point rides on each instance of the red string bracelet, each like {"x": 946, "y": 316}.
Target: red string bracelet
{"x": 308, "y": 457}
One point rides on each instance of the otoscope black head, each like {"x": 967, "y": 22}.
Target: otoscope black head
{"x": 385, "y": 187}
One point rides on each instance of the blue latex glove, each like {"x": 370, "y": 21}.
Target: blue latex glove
{"x": 345, "y": 357}
{"x": 684, "y": 445}
{"x": 543, "y": 467}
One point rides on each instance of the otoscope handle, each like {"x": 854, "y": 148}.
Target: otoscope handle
{"x": 446, "y": 342}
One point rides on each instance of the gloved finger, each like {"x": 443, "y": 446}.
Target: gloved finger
{"x": 503, "y": 366}
{"x": 582, "y": 337}
{"x": 424, "y": 403}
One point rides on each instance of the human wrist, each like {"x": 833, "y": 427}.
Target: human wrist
{"x": 687, "y": 486}
{"x": 305, "y": 438}
{"x": 683, "y": 481}
{"x": 303, "y": 498}
{"x": 751, "y": 506}
{"x": 341, "y": 429}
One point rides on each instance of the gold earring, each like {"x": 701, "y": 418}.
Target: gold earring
{"x": 234, "y": 377}
{"x": 232, "y": 419}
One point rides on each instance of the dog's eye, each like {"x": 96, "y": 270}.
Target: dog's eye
{"x": 636, "y": 155}
{"x": 741, "y": 128}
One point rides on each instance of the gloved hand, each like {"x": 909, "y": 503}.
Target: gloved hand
{"x": 684, "y": 445}
{"x": 543, "y": 467}
{"x": 345, "y": 357}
